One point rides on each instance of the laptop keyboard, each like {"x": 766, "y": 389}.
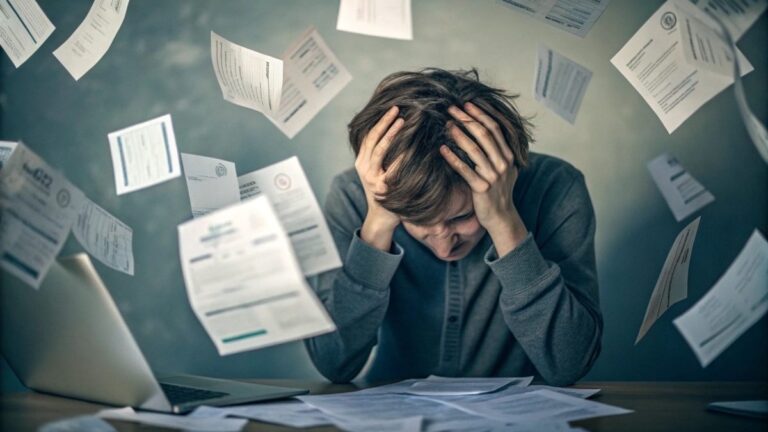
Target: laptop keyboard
{"x": 180, "y": 394}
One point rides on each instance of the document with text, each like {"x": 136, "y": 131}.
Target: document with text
{"x": 313, "y": 77}
{"x": 288, "y": 189}
{"x": 382, "y": 18}
{"x": 144, "y": 155}
{"x": 737, "y": 301}
{"x": 244, "y": 282}
{"x": 654, "y": 63}
{"x": 574, "y": 16}
{"x": 683, "y": 193}
{"x": 211, "y": 183}
{"x": 23, "y": 29}
{"x": 104, "y": 236}
{"x": 560, "y": 83}
{"x": 246, "y": 77}
{"x": 291, "y": 413}
{"x": 443, "y": 386}
{"x": 672, "y": 285}
{"x": 38, "y": 206}
{"x": 91, "y": 40}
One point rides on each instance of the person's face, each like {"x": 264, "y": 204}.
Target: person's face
{"x": 455, "y": 233}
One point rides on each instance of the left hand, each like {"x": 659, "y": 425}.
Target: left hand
{"x": 493, "y": 179}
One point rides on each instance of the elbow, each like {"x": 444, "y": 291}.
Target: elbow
{"x": 330, "y": 364}
{"x": 573, "y": 366}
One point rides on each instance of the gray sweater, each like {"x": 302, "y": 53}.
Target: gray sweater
{"x": 532, "y": 311}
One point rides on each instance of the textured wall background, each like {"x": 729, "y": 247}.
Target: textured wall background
{"x": 160, "y": 63}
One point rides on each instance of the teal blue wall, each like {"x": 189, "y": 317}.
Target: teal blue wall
{"x": 160, "y": 63}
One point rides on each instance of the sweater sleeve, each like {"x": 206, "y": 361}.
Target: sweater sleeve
{"x": 356, "y": 295}
{"x": 549, "y": 295}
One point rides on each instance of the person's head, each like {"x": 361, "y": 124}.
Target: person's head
{"x": 433, "y": 201}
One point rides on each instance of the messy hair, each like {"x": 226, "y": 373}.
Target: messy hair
{"x": 419, "y": 190}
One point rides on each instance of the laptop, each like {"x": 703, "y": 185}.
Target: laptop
{"x": 69, "y": 339}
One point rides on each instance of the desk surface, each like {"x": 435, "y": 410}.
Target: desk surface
{"x": 658, "y": 406}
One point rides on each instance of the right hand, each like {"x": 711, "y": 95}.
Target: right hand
{"x": 379, "y": 224}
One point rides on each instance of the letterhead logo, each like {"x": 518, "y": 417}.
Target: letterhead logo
{"x": 39, "y": 176}
{"x": 63, "y": 198}
{"x": 221, "y": 170}
{"x": 282, "y": 181}
{"x": 668, "y": 20}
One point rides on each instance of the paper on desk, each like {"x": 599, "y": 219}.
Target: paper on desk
{"x": 207, "y": 424}
{"x": 293, "y": 414}
{"x": 683, "y": 193}
{"x": 246, "y": 77}
{"x": 738, "y": 16}
{"x": 654, "y": 63}
{"x": 23, "y": 28}
{"x": 407, "y": 424}
{"x": 144, "y": 155}
{"x": 574, "y": 16}
{"x": 288, "y": 189}
{"x": 86, "y": 423}
{"x": 441, "y": 386}
{"x": 737, "y": 301}
{"x": 38, "y": 206}
{"x": 750, "y": 408}
{"x": 211, "y": 183}
{"x": 91, "y": 40}
{"x": 313, "y": 77}
{"x": 382, "y": 18}
{"x": 534, "y": 406}
{"x": 6, "y": 148}
{"x": 672, "y": 284}
{"x": 104, "y": 236}
{"x": 243, "y": 280}
{"x": 560, "y": 83}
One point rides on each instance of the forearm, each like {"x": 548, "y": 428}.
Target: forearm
{"x": 356, "y": 296}
{"x": 508, "y": 232}
{"x": 556, "y": 319}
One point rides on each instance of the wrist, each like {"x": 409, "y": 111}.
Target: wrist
{"x": 377, "y": 231}
{"x": 507, "y": 233}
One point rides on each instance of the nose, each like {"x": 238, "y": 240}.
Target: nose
{"x": 443, "y": 242}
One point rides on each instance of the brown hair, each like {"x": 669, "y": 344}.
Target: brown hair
{"x": 420, "y": 188}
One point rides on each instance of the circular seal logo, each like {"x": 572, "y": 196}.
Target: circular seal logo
{"x": 668, "y": 20}
{"x": 282, "y": 181}
{"x": 63, "y": 198}
{"x": 221, "y": 170}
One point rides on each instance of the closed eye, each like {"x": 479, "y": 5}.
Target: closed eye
{"x": 462, "y": 217}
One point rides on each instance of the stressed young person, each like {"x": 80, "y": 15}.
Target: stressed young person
{"x": 464, "y": 254}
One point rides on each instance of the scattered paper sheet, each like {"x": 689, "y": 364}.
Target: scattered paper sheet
{"x": 703, "y": 47}
{"x": 313, "y": 77}
{"x": 672, "y": 285}
{"x": 293, "y": 414}
{"x": 144, "y": 155}
{"x": 209, "y": 424}
{"x": 574, "y": 16}
{"x": 243, "y": 281}
{"x": 38, "y": 206}
{"x": 104, "y": 236}
{"x": 683, "y": 193}
{"x": 211, "y": 183}
{"x": 6, "y": 148}
{"x": 736, "y": 302}
{"x": 738, "y": 16}
{"x": 750, "y": 408}
{"x": 246, "y": 77}
{"x": 537, "y": 405}
{"x": 382, "y": 18}
{"x": 86, "y": 423}
{"x": 560, "y": 83}
{"x": 23, "y": 28}
{"x": 287, "y": 188}
{"x": 441, "y": 386}
{"x": 88, "y": 44}
{"x": 654, "y": 63}
{"x": 407, "y": 424}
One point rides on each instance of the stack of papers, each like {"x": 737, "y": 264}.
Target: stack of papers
{"x": 433, "y": 404}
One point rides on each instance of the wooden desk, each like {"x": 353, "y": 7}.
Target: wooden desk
{"x": 658, "y": 406}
